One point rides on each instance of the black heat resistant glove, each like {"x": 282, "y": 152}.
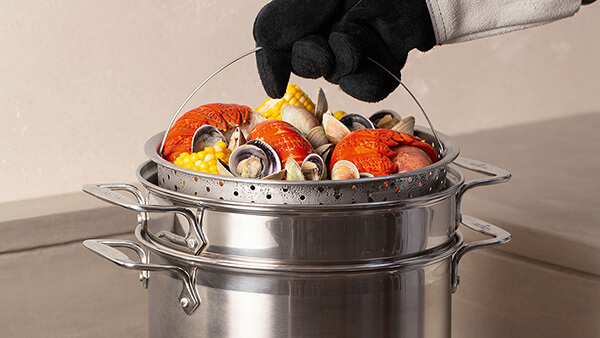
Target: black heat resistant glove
{"x": 334, "y": 38}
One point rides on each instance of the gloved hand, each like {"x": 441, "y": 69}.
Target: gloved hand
{"x": 334, "y": 38}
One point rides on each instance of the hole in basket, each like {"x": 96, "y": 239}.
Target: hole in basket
{"x": 196, "y": 193}
{"x": 221, "y": 183}
{"x": 175, "y": 188}
{"x": 268, "y": 197}
{"x": 321, "y": 189}
{"x": 302, "y": 197}
{"x": 252, "y": 187}
{"x": 235, "y": 193}
{"x": 207, "y": 189}
{"x": 284, "y": 189}
{"x": 184, "y": 183}
{"x": 196, "y": 178}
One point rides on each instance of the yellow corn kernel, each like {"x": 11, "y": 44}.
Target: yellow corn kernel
{"x": 271, "y": 108}
{"x": 205, "y": 160}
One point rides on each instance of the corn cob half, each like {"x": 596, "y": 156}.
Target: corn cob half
{"x": 271, "y": 108}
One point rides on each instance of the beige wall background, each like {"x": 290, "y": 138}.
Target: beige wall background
{"x": 83, "y": 84}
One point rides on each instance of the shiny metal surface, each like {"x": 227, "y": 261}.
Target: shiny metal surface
{"x": 288, "y": 234}
{"x": 408, "y": 302}
{"x": 401, "y": 186}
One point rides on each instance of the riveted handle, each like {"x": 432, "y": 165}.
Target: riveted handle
{"x": 195, "y": 239}
{"x": 105, "y": 248}
{"x": 499, "y": 236}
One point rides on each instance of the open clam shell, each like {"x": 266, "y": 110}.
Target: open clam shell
{"x": 206, "y": 136}
{"x": 334, "y": 129}
{"x": 356, "y": 122}
{"x": 407, "y": 125}
{"x": 317, "y": 137}
{"x": 313, "y": 168}
{"x": 255, "y": 159}
{"x": 223, "y": 168}
{"x": 385, "y": 118}
{"x": 293, "y": 170}
{"x": 237, "y": 139}
{"x": 321, "y": 107}
{"x": 299, "y": 117}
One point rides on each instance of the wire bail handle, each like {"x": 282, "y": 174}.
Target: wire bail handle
{"x": 256, "y": 49}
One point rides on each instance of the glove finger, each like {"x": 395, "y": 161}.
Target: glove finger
{"x": 348, "y": 54}
{"x": 274, "y": 69}
{"x": 312, "y": 57}
{"x": 280, "y": 23}
{"x": 370, "y": 83}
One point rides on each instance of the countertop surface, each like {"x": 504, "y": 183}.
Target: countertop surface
{"x": 552, "y": 203}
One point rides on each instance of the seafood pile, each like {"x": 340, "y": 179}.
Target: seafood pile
{"x": 293, "y": 138}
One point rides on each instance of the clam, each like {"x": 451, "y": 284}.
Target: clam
{"x": 299, "y": 117}
{"x": 385, "y": 118}
{"x": 206, "y": 136}
{"x": 293, "y": 170}
{"x": 237, "y": 139}
{"x": 407, "y": 126}
{"x": 356, "y": 122}
{"x": 223, "y": 168}
{"x": 317, "y": 137}
{"x": 321, "y": 106}
{"x": 325, "y": 151}
{"x": 313, "y": 168}
{"x": 344, "y": 170}
{"x": 255, "y": 159}
{"x": 334, "y": 129}
{"x": 278, "y": 176}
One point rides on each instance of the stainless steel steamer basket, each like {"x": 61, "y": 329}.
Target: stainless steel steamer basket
{"x": 415, "y": 183}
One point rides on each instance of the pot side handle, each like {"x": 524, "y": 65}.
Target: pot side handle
{"x": 500, "y": 236}
{"x": 105, "y": 248}
{"x": 496, "y": 175}
{"x": 195, "y": 240}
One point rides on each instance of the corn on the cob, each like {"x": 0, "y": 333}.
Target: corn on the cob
{"x": 205, "y": 160}
{"x": 271, "y": 108}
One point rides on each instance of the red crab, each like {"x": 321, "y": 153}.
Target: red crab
{"x": 220, "y": 115}
{"x": 370, "y": 150}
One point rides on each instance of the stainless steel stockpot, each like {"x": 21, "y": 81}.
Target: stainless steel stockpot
{"x": 406, "y": 298}
{"x": 367, "y": 269}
